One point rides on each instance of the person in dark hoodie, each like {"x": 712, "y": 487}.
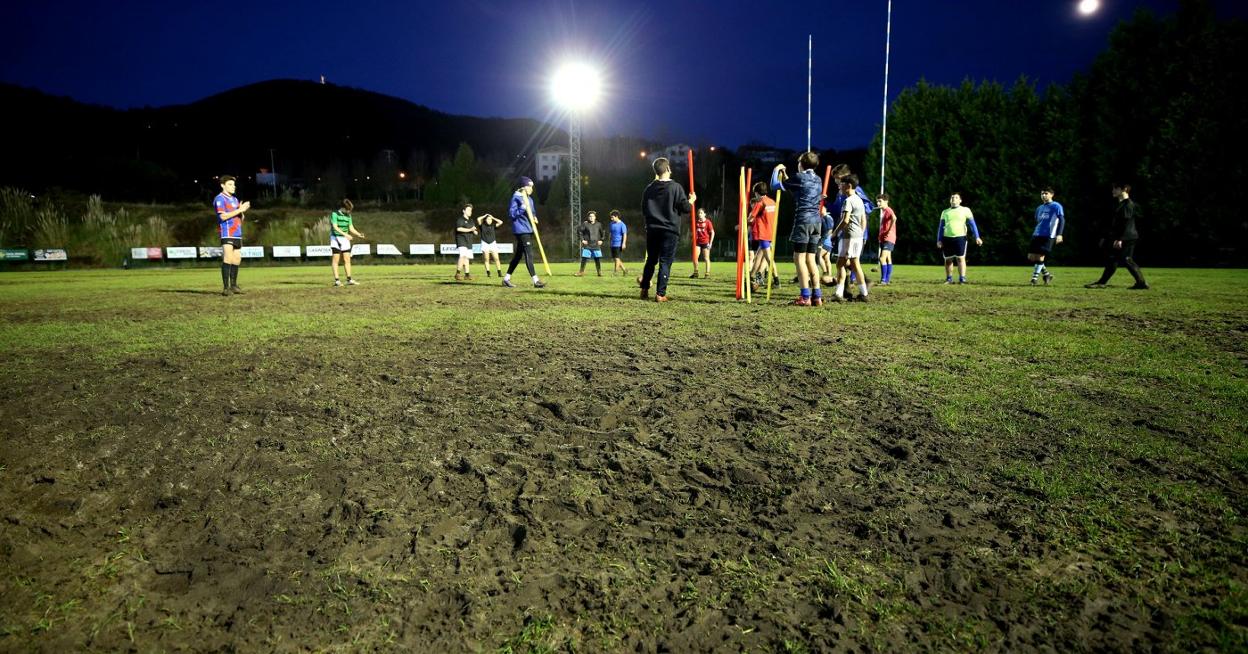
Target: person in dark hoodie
{"x": 1119, "y": 242}
{"x": 662, "y": 203}
{"x": 519, "y": 212}
{"x": 592, "y": 232}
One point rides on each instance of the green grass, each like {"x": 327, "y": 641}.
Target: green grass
{"x": 1103, "y": 430}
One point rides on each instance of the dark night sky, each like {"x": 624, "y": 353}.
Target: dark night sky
{"x": 726, "y": 71}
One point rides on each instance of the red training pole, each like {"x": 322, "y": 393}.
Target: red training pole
{"x": 741, "y": 246}
{"x": 693, "y": 217}
{"x": 827, "y": 176}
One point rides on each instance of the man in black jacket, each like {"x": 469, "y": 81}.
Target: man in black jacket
{"x": 591, "y": 243}
{"x": 662, "y": 203}
{"x": 1119, "y": 242}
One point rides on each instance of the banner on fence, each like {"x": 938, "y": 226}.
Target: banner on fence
{"x": 211, "y": 252}
{"x": 51, "y": 255}
{"x": 180, "y": 253}
{"x": 285, "y": 251}
{"x": 361, "y": 248}
{"x": 15, "y": 254}
{"x": 252, "y": 252}
{"x": 388, "y": 249}
{"x": 317, "y": 251}
{"x": 421, "y": 248}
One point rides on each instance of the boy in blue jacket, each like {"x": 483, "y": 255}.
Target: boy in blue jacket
{"x": 807, "y": 190}
{"x": 520, "y": 211}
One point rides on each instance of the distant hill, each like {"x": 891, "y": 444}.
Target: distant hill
{"x": 157, "y": 153}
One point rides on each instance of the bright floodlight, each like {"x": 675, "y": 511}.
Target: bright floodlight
{"x": 575, "y": 86}
{"x": 1089, "y": 7}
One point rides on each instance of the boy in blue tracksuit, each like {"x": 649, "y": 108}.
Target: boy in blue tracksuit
{"x": 807, "y": 190}
{"x": 619, "y": 241}
{"x": 520, "y": 212}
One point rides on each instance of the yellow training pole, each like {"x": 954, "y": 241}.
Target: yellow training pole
{"x": 528, "y": 208}
{"x": 771, "y": 253}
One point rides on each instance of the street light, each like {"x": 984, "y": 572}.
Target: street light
{"x": 575, "y": 87}
{"x": 1089, "y": 7}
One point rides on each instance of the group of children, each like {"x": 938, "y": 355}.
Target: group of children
{"x": 819, "y": 232}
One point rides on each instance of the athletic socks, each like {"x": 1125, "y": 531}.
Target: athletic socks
{"x": 840, "y": 287}
{"x": 863, "y": 289}
{"x": 535, "y": 279}
{"x": 961, "y": 279}
{"x": 1036, "y": 270}
{"x": 805, "y": 293}
{"x": 233, "y": 275}
{"x": 818, "y": 293}
{"x": 949, "y": 278}
{"x": 507, "y": 278}
{"x": 225, "y": 275}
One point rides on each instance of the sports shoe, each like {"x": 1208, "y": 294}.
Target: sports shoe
{"x": 948, "y": 280}
{"x": 645, "y": 294}
{"x": 459, "y": 276}
{"x": 225, "y": 292}
{"x": 487, "y": 273}
{"x": 836, "y": 298}
{"x": 801, "y": 302}
{"x": 600, "y": 273}
{"x": 1048, "y": 277}
{"x": 660, "y": 298}
{"x": 507, "y": 283}
{"x": 1034, "y": 280}
{"x": 236, "y": 290}
{"x": 468, "y": 277}
{"x": 694, "y": 275}
{"x": 1139, "y": 287}
{"x": 579, "y": 273}
{"x": 337, "y": 282}
{"x": 816, "y": 301}
{"x": 862, "y": 298}
{"x": 352, "y": 282}
{"x": 539, "y": 284}
{"x": 1094, "y": 285}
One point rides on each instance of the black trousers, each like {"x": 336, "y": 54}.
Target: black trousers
{"x": 524, "y": 250}
{"x": 1124, "y": 256}
{"x": 660, "y": 251}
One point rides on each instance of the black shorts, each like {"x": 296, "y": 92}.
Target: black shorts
{"x": 616, "y": 251}
{"x": 1040, "y": 245}
{"x": 805, "y": 238}
{"x": 236, "y": 243}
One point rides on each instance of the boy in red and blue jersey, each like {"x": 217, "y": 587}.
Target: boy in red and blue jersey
{"x": 230, "y": 215}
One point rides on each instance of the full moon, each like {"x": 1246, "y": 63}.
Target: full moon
{"x": 1089, "y": 7}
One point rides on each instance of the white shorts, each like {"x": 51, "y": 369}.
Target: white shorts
{"x": 850, "y": 248}
{"x": 489, "y": 248}
{"x": 340, "y": 244}
{"x": 464, "y": 251}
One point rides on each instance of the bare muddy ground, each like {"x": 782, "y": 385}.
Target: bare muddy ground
{"x": 610, "y": 478}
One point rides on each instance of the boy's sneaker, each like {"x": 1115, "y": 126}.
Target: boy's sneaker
{"x": 1035, "y": 280}
{"x": 337, "y": 282}
{"x": 863, "y": 298}
{"x": 225, "y": 292}
{"x": 948, "y": 280}
{"x": 694, "y": 275}
{"x": 836, "y": 298}
{"x": 539, "y": 284}
{"x": 1094, "y": 285}
{"x": 236, "y": 290}
{"x": 507, "y": 283}
{"x": 801, "y": 302}
{"x": 645, "y": 294}
{"x": 1048, "y": 277}
{"x": 600, "y": 273}
{"x": 816, "y": 301}
{"x": 352, "y": 282}
{"x": 1139, "y": 287}
{"x": 468, "y": 277}
{"x": 579, "y": 273}
{"x": 459, "y": 276}
{"x": 660, "y": 298}
{"x": 487, "y": 273}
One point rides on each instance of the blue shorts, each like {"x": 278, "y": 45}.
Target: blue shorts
{"x": 762, "y": 245}
{"x": 953, "y": 246}
{"x": 827, "y": 246}
{"x": 587, "y": 253}
{"x": 887, "y": 247}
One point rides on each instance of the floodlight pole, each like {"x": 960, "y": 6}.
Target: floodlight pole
{"x": 574, "y": 175}
{"x": 888, "y": 37}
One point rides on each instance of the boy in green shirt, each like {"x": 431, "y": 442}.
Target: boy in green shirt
{"x": 951, "y": 236}
{"x": 341, "y": 229}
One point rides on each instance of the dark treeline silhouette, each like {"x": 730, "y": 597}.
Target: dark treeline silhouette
{"x": 1161, "y": 109}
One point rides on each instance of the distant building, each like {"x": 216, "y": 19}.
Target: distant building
{"x": 266, "y": 178}
{"x": 677, "y": 153}
{"x": 550, "y": 162}
{"x": 763, "y": 154}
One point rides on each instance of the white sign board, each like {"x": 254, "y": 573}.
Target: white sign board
{"x": 252, "y": 252}
{"x": 317, "y": 251}
{"x": 506, "y": 248}
{"x": 211, "y": 252}
{"x": 449, "y": 248}
{"x": 285, "y": 251}
{"x": 388, "y": 249}
{"x": 180, "y": 253}
{"x": 138, "y": 253}
{"x": 476, "y": 248}
{"x": 51, "y": 255}
{"x": 420, "y": 248}
{"x": 360, "y": 248}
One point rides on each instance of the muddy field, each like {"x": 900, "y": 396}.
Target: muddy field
{"x": 418, "y": 465}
